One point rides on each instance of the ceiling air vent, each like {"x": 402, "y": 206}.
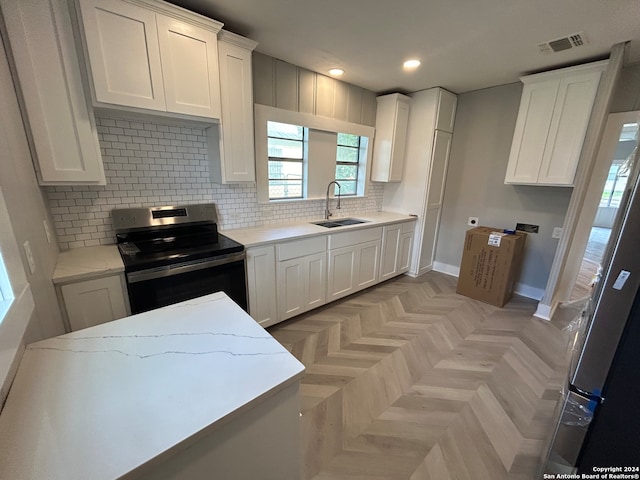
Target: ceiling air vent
{"x": 565, "y": 43}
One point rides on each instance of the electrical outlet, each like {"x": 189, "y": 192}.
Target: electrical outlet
{"x": 47, "y": 232}
{"x": 29, "y": 255}
{"x": 557, "y": 232}
{"x": 473, "y": 221}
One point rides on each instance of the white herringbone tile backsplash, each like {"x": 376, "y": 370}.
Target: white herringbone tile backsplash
{"x": 152, "y": 163}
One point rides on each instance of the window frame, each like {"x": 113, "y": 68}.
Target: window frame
{"x": 358, "y": 148}
{"x": 301, "y": 161}
{"x": 17, "y": 309}
{"x": 318, "y": 127}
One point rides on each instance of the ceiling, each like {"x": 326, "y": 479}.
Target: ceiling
{"x": 464, "y": 45}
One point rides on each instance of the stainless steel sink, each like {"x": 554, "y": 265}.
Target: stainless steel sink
{"x": 339, "y": 222}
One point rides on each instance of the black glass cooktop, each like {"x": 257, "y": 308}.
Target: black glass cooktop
{"x": 160, "y": 247}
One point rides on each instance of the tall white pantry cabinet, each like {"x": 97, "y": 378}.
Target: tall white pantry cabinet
{"x": 421, "y": 190}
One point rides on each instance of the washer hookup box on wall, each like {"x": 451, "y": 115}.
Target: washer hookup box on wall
{"x": 490, "y": 264}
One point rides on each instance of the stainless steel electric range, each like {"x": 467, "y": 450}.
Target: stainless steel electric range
{"x": 175, "y": 253}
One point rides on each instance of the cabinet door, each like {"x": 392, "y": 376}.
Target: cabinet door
{"x": 95, "y": 301}
{"x": 568, "y": 128}
{"x": 124, "y": 55}
{"x": 341, "y": 272}
{"x": 532, "y": 130}
{"x": 446, "y": 111}
{"x": 368, "y": 255}
{"x": 389, "y": 254}
{"x": 261, "y": 283}
{"x": 316, "y": 281}
{"x": 392, "y": 118}
{"x": 61, "y": 122}
{"x": 433, "y": 202}
{"x": 291, "y": 288}
{"x": 189, "y": 57}
{"x": 404, "y": 251}
{"x": 237, "y": 155}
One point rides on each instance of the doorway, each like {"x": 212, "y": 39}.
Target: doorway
{"x": 611, "y": 173}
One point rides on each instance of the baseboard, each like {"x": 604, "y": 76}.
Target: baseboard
{"x": 528, "y": 291}
{"x": 446, "y": 268}
{"x": 520, "y": 288}
{"x": 544, "y": 312}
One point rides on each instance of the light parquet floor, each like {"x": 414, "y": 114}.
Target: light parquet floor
{"x": 410, "y": 381}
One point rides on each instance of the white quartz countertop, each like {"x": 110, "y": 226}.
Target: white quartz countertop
{"x": 87, "y": 262}
{"x": 254, "y": 236}
{"x": 102, "y": 402}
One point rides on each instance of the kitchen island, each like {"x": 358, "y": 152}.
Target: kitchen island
{"x": 193, "y": 390}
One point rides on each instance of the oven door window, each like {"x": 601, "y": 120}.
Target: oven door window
{"x": 158, "y": 292}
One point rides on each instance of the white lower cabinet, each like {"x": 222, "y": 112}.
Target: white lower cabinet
{"x": 397, "y": 242}
{"x": 261, "y": 284}
{"x": 301, "y": 276}
{"x": 353, "y": 261}
{"x": 92, "y": 302}
{"x": 290, "y": 278}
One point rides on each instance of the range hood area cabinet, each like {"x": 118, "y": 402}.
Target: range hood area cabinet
{"x": 389, "y": 143}
{"x": 552, "y": 121}
{"x": 59, "y": 118}
{"x": 231, "y": 143}
{"x": 421, "y": 191}
{"x": 148, "y": 54}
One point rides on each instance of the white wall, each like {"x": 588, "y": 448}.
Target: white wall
{"x": 27, "y": 210}
{"x": 485, "y": 122}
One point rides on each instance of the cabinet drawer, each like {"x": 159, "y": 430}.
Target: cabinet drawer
{"x": 300, "y": 248}
{"x": 345, "y": 239}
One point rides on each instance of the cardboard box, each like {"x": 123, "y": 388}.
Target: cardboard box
{"x": 491, "y": 262}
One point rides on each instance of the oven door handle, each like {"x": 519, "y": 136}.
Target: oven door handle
{"x": 179, "y": 268}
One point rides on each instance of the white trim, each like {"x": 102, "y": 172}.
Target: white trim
{"x": 18, "y": 311}
{"x": 528, "y": 291}
{"x": 263, "y": 114}
{"x": 545, "y": 312}
{"x": 446, "y": 268}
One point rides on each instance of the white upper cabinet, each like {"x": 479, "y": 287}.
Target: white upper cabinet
{"x": 552, "y": 121}
{"x": 391, "y": 131}
{"x": 189, "y": 68}
{"x": 231, "y": 144}
{"x": 152, "y": 55}
{"x": 58, "y": 115}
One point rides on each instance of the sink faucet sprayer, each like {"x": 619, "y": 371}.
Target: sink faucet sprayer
{"x": 327, "y": 212}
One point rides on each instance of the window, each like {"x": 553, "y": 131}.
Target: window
{"x": 347, "y": 162}
{"x": 614, "y": 186}
{"x": 298, "y": 154}
{"x": 285, "y": 145}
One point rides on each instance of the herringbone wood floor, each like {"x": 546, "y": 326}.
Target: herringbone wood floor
{"x": 409, "y": 380}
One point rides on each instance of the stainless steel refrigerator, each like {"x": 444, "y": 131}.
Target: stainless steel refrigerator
{"x": 599, "y": 424}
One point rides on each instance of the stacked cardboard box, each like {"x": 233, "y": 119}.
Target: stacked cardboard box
{"x": 490, "y": 264}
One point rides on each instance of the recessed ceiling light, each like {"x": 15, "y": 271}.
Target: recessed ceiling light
{"x": 336, "y": 72}
{"x": 411, "y": 64}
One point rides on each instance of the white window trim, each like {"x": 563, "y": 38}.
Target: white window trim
{"x": 264, "y": 113}
{"x": 15, "y": 312}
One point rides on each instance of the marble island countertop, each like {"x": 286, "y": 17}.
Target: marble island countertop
{"x": 104, "y": 402}
{"x": 254, "y": 236}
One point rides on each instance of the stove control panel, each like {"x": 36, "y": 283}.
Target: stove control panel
{"x": 125, "y": 219}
